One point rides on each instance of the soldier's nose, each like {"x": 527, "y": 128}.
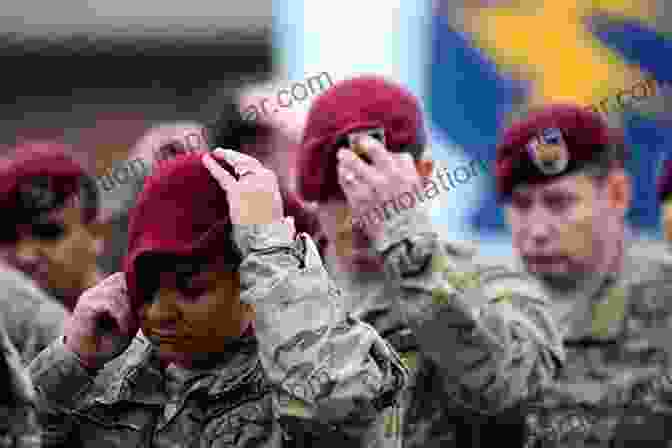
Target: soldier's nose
{"x": 539, "y": 228}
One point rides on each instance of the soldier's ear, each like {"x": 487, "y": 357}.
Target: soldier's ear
{"x": 424, "y": 167}
{"x": 619, "y": 190}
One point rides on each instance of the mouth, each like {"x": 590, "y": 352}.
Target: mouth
{"x": 544, "y": 260}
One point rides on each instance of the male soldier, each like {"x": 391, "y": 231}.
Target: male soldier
{"x": 157, "y": 145}
{"x": 241, "y": 343}
{"x": 560, "y": 174}
{"x": 18, "y": 420}
{"x": 477, "y": 341}
{"x": 48, "y": 203}
{"x": 274, "y": 141}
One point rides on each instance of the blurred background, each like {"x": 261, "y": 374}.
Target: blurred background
{"x": 478, "y": 64}
{"x": 98, "y": 74}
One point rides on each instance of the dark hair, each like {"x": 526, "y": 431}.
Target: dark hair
{"x": 36, "y": 198}
{"x": 230, "y": 130}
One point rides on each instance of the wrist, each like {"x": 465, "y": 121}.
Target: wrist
{"x": 255, "y": 237}
{"x": 85, "y": 362}
{"x": 402, "y": 227}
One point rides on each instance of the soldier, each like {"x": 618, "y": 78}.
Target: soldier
{"x": 49, "y": 204}
{"x": 157, "y": 145}
{"x": 224, "y": 330}
{"x": 271, "y": 139}
{"x": 560, "y": 175}
{"x": 477, "y": 341}
{"x": 18, "y": 420}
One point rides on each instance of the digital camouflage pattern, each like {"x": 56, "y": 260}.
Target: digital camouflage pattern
{"x": 477, "y": 339}
{"x": 32, "y": 319}
{"x": 618, "y": 335}
{"x": 310, "y": 378}
{"x": 18, "y": 419}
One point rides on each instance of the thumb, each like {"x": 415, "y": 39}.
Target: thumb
{"x": 225, "y": 180}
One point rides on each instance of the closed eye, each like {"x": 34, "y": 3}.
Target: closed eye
{"x": 48, "y": 231}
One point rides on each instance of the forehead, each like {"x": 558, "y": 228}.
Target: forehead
{"x": 155, "y": 138}
{"x": 574, "y": 183}
{"x": 188, "y": 265}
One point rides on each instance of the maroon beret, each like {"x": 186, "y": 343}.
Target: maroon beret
{"x": 665, "y": 181}
{"x": 358, "y": 103}
{"x": 552, "y": 141}
{"x": 41, "y": 171}
{"x": 181, "y": 211}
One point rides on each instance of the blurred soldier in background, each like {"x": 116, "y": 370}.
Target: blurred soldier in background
{"x": 48, "y": 237}
{"x": 18, "y": 419}
{"x": 157, "y": 145}
{"x": 560, "y": 176}
{"x": 274, "y": 140}
{"x": 476, "y": 341}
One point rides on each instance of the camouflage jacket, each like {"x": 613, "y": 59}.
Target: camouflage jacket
{"x": 617, "y": 334}
{"x": 32, "y": 319}
{"x": 477, "y": 339}
{"x": 18, "y": 419}
{"x": 311, "y": 377}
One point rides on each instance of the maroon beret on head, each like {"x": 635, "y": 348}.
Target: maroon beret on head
{"x": 181, "y": 211}
{"x": 551, "y": 142}
{"x": 665, "y": 181}
{"x": 39, "y": 172}
{"x": 358, "y": 103}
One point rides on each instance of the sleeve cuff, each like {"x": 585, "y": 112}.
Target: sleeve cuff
{"x": 403, "y": 226}
{"x": 254, "y": 237}
{"x": 63, "y": 379}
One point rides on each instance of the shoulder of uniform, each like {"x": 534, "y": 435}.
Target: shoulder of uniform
{"x": 14, "y": 282}
{"x": 649, "y": 260}
{"x": 499, "y": 277}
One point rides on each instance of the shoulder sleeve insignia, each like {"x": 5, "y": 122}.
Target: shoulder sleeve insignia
{"x": 505, "y": 296}
{"x": 609, "y": 313}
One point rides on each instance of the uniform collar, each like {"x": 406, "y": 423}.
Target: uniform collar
{"x": 137, "y": 375}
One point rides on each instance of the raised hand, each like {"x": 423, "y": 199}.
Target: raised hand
{"x": 254, "y": 198}
{"x": 367, "y": 186}
{"x": 103, "y": 323}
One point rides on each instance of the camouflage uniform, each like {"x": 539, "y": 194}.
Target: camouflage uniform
{"x": 617, "y": 334}
{"x": 31, "y": 318}
{"x": 310, "y": 378}
{"x": 18, "y": 419}
{"x": 438, "y": 304}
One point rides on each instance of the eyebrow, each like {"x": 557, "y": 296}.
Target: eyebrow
{"x": 190, "y": 268}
